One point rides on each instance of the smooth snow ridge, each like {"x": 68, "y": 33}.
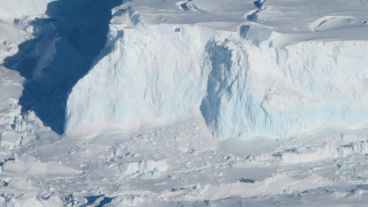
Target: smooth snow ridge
{"x": 241, "y": 84}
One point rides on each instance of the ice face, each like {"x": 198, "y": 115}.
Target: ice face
{"x": 154, "y": 81}
{"x": 242, "y": 77}
{"x": 152, "y": 74}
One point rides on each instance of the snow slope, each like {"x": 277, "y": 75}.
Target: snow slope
{"x": 15, "y": 18}
{"x": 247, "y": 75}
{"x": 17, "y": 9}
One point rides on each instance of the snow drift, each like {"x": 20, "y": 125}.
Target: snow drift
{"x": 241, "y": 82}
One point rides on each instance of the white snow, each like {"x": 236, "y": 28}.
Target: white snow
{"x": 17, "y": 9}
{"x": 153, "y": 122}
{"x": 244, "y": 83}
{"x": 16, "y": 128}
{"x": 145, "y": 168}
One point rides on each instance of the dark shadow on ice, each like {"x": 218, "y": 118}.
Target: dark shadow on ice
{"x": 220, "y": 59}
{"x": 259, "y": 4}
{"x": 62, "y": 52}
{"x": 98, "y": 201}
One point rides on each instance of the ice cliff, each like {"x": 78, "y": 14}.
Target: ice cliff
{"x": 244, "y": 78}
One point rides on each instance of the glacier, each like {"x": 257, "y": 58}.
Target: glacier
{"x": 244, "y": 79}
{"x": 139, "y": 106}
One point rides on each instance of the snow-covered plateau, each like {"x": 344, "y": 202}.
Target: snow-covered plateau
{"x": 183, "y": 103}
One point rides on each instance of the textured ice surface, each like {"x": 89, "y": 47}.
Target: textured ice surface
{"x": 239, "y": 68}
{"x": 244, "y": 83}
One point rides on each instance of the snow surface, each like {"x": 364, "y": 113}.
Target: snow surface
{"x": 17, "y": 9}
{"x": 143, "y": 105}
{"x": 237, "y": 74}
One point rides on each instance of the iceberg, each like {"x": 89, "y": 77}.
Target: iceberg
{"x": 244, "y": 82}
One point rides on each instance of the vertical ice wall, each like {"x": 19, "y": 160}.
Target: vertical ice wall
{"x": 147, "y": 75}
{"x": 243, "y": 87}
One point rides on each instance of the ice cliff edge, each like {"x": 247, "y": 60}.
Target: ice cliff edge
{"x": 244, "y": 80}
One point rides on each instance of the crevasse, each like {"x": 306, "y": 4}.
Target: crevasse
{"x": 242, "y": 87}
